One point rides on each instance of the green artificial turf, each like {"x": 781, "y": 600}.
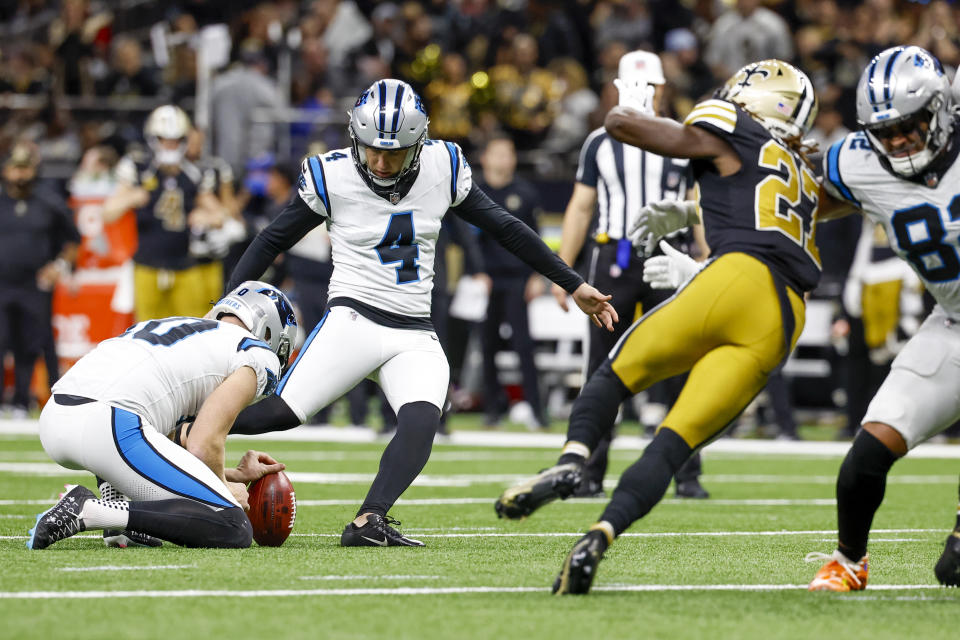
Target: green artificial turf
{"x": 722, "y": 542}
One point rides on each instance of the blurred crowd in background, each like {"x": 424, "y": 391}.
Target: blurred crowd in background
{"x": 267, "y": 82}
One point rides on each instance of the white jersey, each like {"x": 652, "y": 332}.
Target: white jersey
{"x": 922, "y": 223}
{"x": 164, "y": 369}
{"x": 383, "y": 253}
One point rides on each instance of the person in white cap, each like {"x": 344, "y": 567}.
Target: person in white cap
{"x": 614, "y": 181}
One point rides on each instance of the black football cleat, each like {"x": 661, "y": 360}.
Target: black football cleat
{"x": 691, "y": 489}
{"x": 559, "y": 481}
{"x": 376, "y": 533}
{"x": 123, "y": 539}
{"x": 60, "y": 521}
{"x": 948, "y": 566}
{"x": 590, "y": 488}
{"x": 580, "y": 566}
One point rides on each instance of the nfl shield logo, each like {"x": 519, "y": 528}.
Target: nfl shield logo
{"x": 394, "y": 198}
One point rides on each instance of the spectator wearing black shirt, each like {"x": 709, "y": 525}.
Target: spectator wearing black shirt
{"x": 512, "y": 284}
{"x": 38, "y": 245}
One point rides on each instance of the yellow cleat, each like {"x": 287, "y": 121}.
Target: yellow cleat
{"x": 839, "y": 573}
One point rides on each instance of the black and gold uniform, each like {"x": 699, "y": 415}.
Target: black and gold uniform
{"x": 732, "y": 324}
{"x": 168, "y": 280}
{"x": 740, "y": 317}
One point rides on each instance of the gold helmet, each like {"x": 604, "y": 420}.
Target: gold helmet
{"x": 777, "y": 94}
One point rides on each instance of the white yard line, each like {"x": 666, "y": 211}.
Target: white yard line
{"x": 114, "y": 567}
{"x": 473, "y": 479}
{"x": 500, "y": 439}
{"x": 435, "y": 502}
{"x": 568, "y": 534}
{"x": 399, "y": 577}
{"x": 416, "y": 591}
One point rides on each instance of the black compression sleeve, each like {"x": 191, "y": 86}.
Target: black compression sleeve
{"x": 293, "y": 223}
{"x": 519, "y": 239}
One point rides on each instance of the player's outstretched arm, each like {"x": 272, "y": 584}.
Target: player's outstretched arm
{"x": 209, "y": 433}
{"x": 666, "y": 137}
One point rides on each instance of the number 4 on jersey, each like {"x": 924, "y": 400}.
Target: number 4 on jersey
{"x": 397, "y": 245}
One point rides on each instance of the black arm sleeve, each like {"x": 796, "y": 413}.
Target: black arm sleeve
{"x": 463, "y": 236}
{"x": 479, "y": 210}
{"x": 286, "y": 230}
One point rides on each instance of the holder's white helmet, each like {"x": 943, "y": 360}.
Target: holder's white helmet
{"x": 266, "y": 312}
{"x": 904, "y": 91}
{"x": 168, "y": 122}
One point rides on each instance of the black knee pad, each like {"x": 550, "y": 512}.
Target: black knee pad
{"x": 238, "y": 534}
{"x": 868, "y": 456}
{"x": 421, "y": 416}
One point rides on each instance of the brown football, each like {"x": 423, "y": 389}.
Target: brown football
{"x": 273, "y": 509}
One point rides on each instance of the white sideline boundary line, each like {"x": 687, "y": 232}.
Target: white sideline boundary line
{"x": 501, "y": 439}
{"x": 416, "y": 591}
{"x": 116, "y": 567}
{"x": 577, "y": 534}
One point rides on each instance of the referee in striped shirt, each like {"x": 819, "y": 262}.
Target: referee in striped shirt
{"x": 616, "y": 181}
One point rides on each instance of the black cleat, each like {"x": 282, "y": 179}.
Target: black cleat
{"x": 60, "y": 521}
{"x": 124, "y": 539}
{"x": 376, "y": 533}
{"x": 559, "y": 481}
{"x": 580, "y": 567}
{"x": 691, "y": 489}
{"x": 948, "y": 566}
{"x": 590, "y": 488}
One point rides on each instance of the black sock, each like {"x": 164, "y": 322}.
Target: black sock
{"x": 690, "y": 470}
{"x": 860, "y": 486}
{"x": 404, "y": 457}
{"x": 957, "y": 527}
{"x": 191, "y": 524}
{"x": 595, "y": 409}
{"x": 270, "y": 414}
{"x": 643, "y": 484}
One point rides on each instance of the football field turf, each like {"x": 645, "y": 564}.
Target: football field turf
{"x": 728, "y": 567}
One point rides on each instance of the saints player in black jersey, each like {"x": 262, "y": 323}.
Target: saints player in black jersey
{"x": 732, "y": 324}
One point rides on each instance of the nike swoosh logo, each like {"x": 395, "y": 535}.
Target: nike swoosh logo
{"x": 379, "y": 543}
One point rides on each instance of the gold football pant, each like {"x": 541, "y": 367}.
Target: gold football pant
{"x": 161, "y": 293}
{"x": 726, "y": 327}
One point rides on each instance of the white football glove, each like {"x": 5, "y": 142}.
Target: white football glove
{"x": 670, "y": 270}
{"x": 658, "y": 219}
{"x": 636, "y": 94}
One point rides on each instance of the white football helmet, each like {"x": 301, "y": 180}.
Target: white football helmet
{"x": 168, "y": 122}
{"x": 777, "y": 94}
{"x": 904, "y": 91}
{"x": 266, "y": 312}
{"x": 388, "y": 115}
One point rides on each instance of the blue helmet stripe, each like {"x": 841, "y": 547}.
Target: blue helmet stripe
{"x": 320, "y": 182}
{"x": 383, "y": 104}
{"x": 396, "y": 111}
{"x": 833, "y": 171}
{"x": 886, "y": 78}
{"x": 873, "y": 97}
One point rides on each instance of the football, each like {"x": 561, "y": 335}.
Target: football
{"x": 273, "y": 509}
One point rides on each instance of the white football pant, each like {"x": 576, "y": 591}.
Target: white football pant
{"x": 344, "y": 348}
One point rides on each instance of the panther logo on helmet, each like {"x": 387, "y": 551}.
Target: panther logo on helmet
{"x": 775, "y": 93}
{"x": 265, "y": 311}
